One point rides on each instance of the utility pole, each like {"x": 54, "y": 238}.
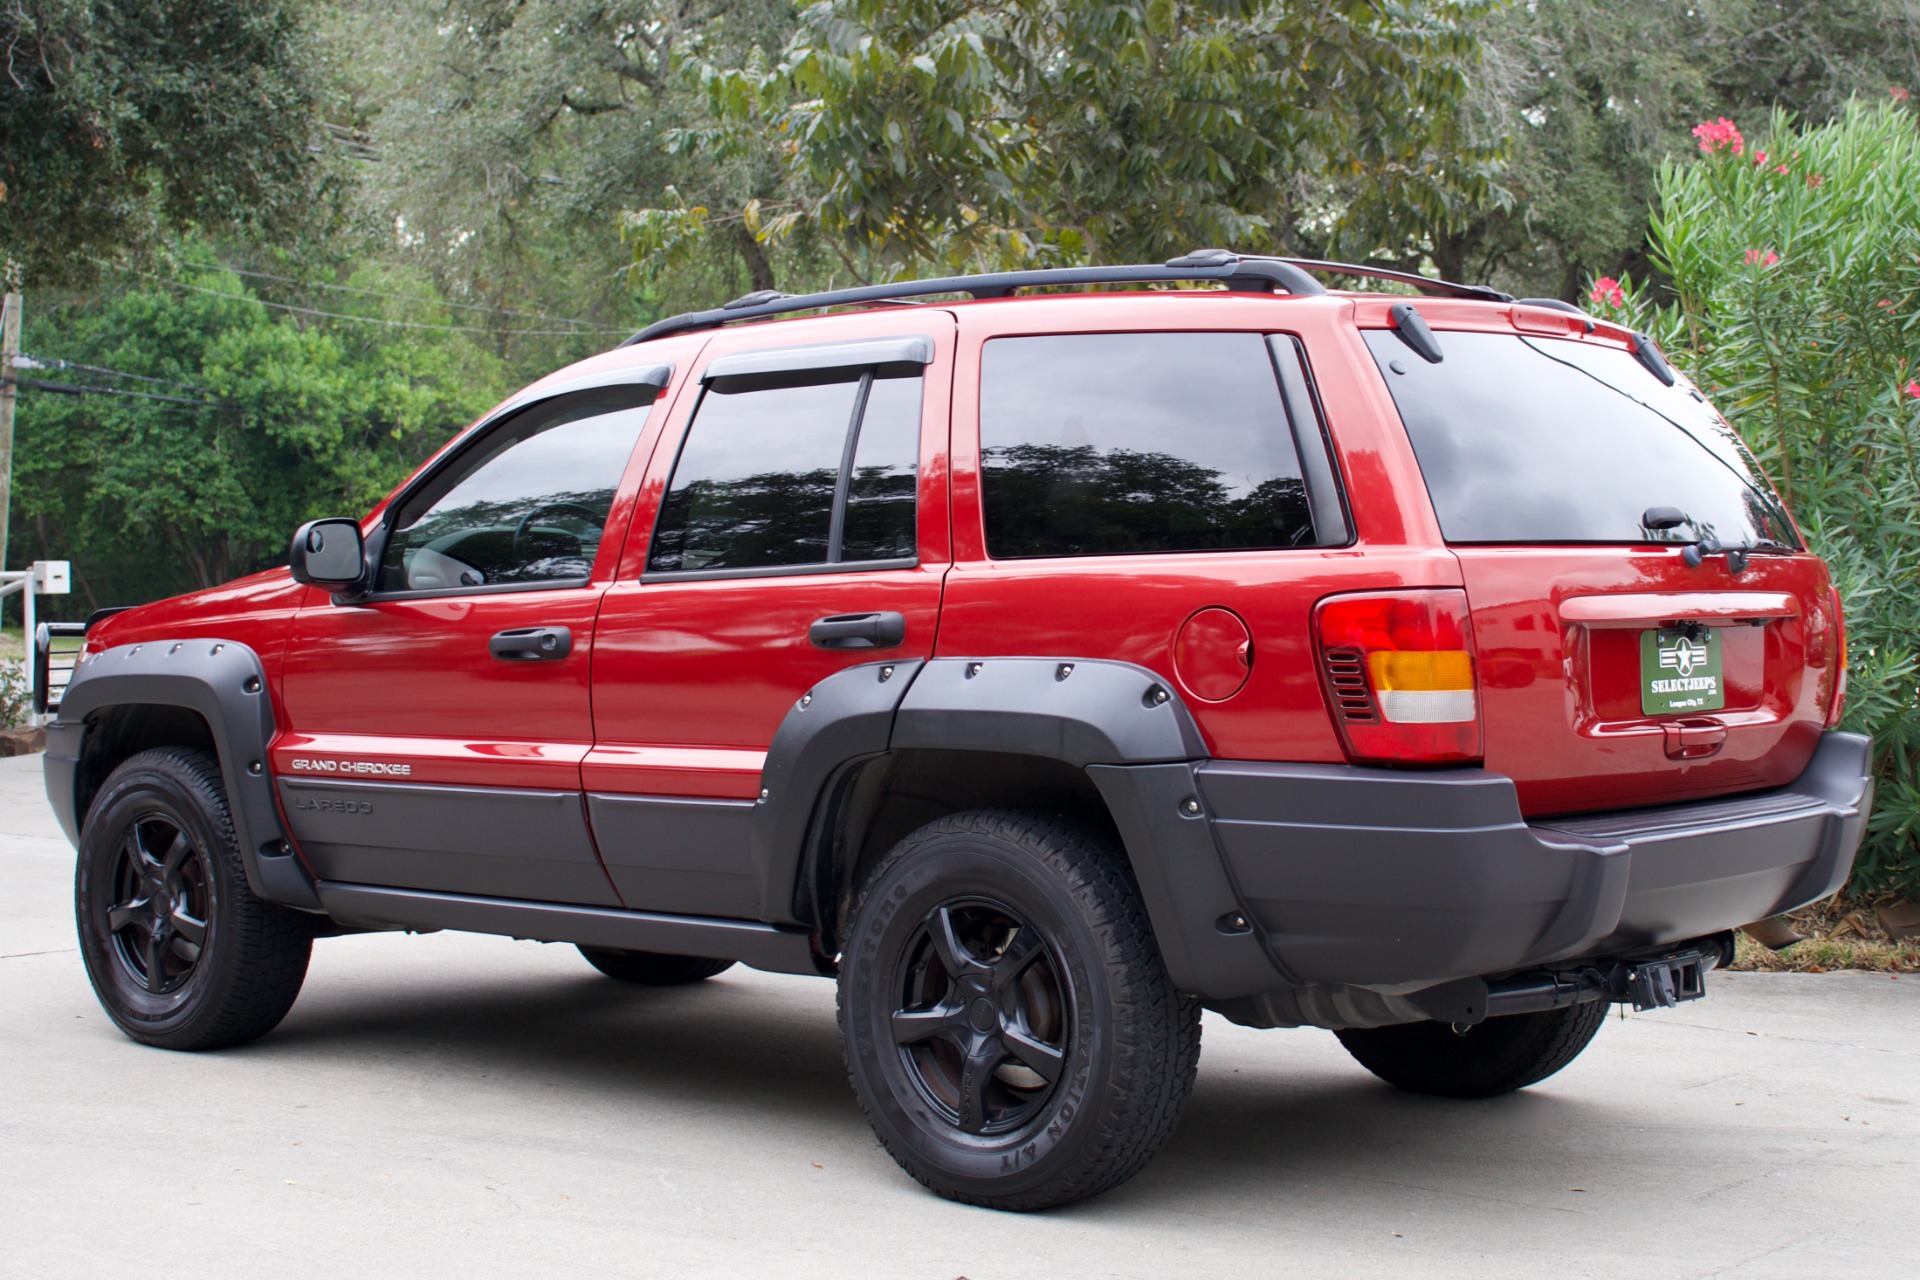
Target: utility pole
{"x": 9, "y": 348}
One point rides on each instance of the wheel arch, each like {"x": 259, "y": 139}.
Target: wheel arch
{"x": 865, "y": 757}
{"x": 201, "y": 692}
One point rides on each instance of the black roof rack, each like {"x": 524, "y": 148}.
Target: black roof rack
{"x": 1248, "y": 273}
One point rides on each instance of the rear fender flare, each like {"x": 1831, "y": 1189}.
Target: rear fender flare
{"x": 224, "y": 683}
{"x": 1121, "y": 724}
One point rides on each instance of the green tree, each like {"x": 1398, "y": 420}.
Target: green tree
{"x": 504, "y": 138}
{"x": 966, "y": 133}
{"x": 1794, "y": 261}
{"x": 1589, "y": 96}
{"x": 118, "y": 117}
{"x": 285, "y": 423}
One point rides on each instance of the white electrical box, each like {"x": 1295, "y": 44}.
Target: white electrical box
{"x": 53, "y": 577}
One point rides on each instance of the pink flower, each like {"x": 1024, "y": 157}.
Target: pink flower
{"x": 1816, "y": 179}
{"x": 1720, "y": 135}
{"x": 1898, "y": 94}
{"x": 1781, "y": 169}
{"x": 1754, "y": 256}
{"x": 1759, "y": 156}
{"x": 1606, "y": 290}
{"x": 1885, "y": 304}
{"x": 1912, "y": 388}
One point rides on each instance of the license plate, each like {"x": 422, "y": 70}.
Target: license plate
{"x": 1680, "y": 671}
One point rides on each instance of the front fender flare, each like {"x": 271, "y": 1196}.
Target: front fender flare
{"x": 223, "y": 682}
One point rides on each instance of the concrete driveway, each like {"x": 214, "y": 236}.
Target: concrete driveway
{"x": 462, "y": 1106}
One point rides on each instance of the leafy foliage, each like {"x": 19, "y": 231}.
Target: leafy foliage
{"x": 117, "y": 116}
{"x": 287, "y": 423}
{"x": 1794, "y": 259}
{"x": 963, "y": 133}
{"x": 1591, "y": 95}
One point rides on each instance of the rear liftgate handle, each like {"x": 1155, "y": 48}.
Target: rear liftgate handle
{"x": 531, "y": 644}
{"x": 859, "y": 631}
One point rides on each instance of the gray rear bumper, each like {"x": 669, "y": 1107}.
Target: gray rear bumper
{"x": 1399, "y": 881}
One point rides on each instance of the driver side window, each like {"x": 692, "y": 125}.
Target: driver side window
{"x": 526, "y": 505}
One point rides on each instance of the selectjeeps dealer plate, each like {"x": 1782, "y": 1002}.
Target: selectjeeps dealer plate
{"x": 1680, "y": 671}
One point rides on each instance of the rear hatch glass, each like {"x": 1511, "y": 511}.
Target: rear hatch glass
{"x": 1540, "y": 440}
{"x": 1612, "y": 673}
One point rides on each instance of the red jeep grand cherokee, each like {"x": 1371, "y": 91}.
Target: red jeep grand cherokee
{"x": 1045, "y": 669}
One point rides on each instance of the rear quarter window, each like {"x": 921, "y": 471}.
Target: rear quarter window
{"x": 1133, "y": 443}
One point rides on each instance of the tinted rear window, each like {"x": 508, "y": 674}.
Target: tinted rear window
{"x": 1128, "y": 443}
{"x": 1525, "y": 439}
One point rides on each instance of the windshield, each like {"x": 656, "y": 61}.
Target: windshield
{"x": 1534, "y": 440}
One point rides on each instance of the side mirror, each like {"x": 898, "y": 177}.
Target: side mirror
{"x": 328, "y": 554}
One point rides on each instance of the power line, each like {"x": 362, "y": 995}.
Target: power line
{"x": 402, "y": 297}
{"x": 73, "y": 389}
{"x": 338, "y": 315}
{"x": 25, "y": 361}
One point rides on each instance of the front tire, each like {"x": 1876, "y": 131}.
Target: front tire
{"x": 180, "y": 952}
{"x": 1493, "y": 1057}
{"x": 1009, "y": 1027}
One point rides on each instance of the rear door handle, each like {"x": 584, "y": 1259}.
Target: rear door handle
{"x": 531, "y": 644}
{"x": 859, "y": 631}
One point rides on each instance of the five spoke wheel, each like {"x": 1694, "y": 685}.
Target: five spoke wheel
{"x": 158, "y": 920}
{"x": 982, "y": 1021}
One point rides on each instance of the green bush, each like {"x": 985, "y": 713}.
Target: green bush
{"x": 1793, "y": 299}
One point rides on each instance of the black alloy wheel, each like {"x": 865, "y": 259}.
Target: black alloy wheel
{"x": 163, "y": 895}
{"x": 180, "y": 952}
{"x": 1009, "y": 1025}
{"x": 983, "y": 1020}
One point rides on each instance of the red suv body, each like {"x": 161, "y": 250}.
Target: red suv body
{"x": 1406, "y": 664}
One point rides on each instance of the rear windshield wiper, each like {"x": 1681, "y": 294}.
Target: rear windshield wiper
{"x": 1695, "y": 553}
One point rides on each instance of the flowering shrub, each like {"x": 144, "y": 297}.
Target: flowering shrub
{"x": 1811, "y": 345}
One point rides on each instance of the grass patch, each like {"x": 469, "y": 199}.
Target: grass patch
{"x": 1840, "y": 933}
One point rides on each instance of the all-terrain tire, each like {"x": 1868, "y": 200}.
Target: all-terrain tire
{"x": 652, "y": 968}
{"x": 1008, "y": 1024}
{"x": 1494, "y": 1057}
{"x": 196, "y": 960}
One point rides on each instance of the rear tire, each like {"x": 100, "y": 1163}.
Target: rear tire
{"x": 1493, "y": 1057}
{"x": 1009, "y": 1026}
{"x": 179, "y": 950}
{"x": 653, "y": 969}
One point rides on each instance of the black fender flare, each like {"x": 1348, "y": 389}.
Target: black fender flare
{"x": 1122, "y": 724}
{"x": 222, "y": 681}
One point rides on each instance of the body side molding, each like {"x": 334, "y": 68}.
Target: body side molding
{"x": 224, "y": 682}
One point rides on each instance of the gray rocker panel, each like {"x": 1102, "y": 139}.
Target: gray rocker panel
{"x": 760, "y": 945}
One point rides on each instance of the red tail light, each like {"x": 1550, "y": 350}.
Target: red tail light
{"x": 1839, "y": 707}
{"x": 1399, "y": 674}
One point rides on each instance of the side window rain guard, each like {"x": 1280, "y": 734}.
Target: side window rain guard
{"x": 1330, "y": 525}
{"x": 862, "y": 361}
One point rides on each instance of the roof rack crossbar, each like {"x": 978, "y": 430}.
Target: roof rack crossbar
{"x": 1272, "y": 275}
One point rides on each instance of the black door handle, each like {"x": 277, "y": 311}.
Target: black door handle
{"x": 531, "y": 644}
{"x": 859, "y": 631}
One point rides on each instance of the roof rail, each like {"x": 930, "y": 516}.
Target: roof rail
{"x": 1266, "y": 275}
{"x": 1240, "y": 272}
{"x": 1425, "y": 284}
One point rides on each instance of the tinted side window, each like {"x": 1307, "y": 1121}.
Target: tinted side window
{"x": 818, "y": 472}
{"x": 881, "y": 489}
{"x": 1109, "y": 444}
{"x": 525, "y": 505}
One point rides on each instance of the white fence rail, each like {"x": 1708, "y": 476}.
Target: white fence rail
{"x": 43, "y": 578}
